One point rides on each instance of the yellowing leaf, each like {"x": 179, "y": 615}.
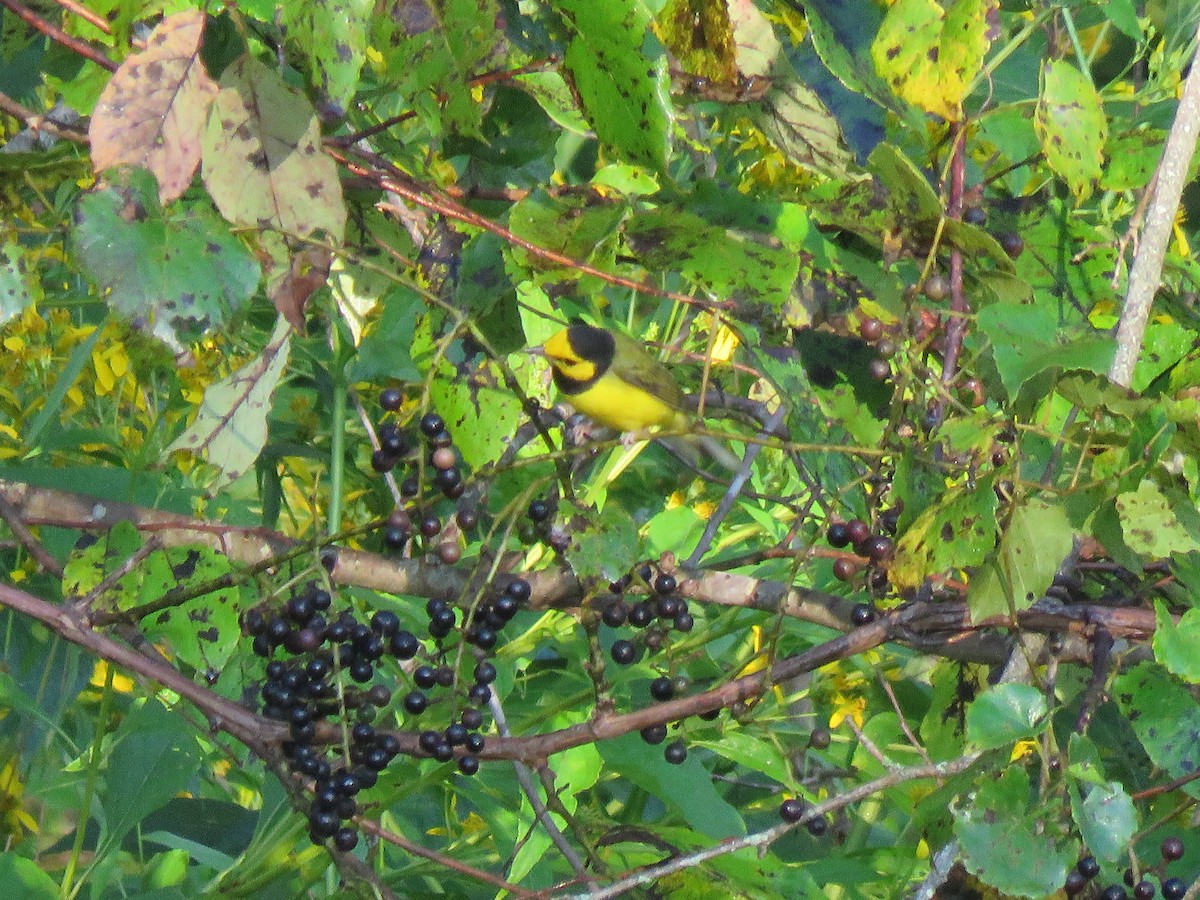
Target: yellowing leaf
{"x": 930, "y": 54}
{"x": 1071, "y": 125}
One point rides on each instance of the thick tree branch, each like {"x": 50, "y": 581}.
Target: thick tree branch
{"x": 1146, "y": 273}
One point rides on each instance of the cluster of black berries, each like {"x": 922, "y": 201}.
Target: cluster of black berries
{"x": 876, "y": 548}
{"x": 873, "y": 332}
{"x": 482, "y": 631}
{"x": 1171, "y": 888}
{"x": 442, "y": 457}
{"x": 538, "y": 525}
{"x": 655, "y": 616}
{"x": 311, "y": 687}
{"x": 665, "y": 607}
{"x": 794, "y": 809}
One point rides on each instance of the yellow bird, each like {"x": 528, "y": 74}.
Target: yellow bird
{"x": 611, "y": 379}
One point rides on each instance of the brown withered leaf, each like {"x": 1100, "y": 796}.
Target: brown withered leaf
{"x": 308, "y": 270}
{"x": 154, "y": 109}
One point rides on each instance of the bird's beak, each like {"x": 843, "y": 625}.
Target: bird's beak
{"x": 536, "y": 351}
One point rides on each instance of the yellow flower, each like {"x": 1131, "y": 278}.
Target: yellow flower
{"x": 848, "y": 708}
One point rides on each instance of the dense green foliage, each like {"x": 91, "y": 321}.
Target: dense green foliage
{"x": 309, "y": 588}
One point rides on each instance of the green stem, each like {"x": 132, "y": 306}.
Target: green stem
{"x": 89, "y": 789}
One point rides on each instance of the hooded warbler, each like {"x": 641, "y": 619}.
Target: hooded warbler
{"x": 611, "y": 379}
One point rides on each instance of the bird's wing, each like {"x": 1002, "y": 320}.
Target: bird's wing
{"x": 633, "y": 364}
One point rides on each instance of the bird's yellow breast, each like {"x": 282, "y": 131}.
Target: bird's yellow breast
{"x": 617, "y": 404}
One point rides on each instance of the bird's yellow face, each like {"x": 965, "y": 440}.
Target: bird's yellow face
{"x": 566, "y": 360}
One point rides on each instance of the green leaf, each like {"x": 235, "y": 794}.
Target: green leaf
{"x": 202, "y": 632}
{"x": 1177, "y": 647}
{"x": 604, "y": 546}
{"x": 576, "y": 227}
{"x": 688, "y": 789}
{"x": 480, "y": 411}
{"x": 154, "y": 757}
{"x": 1106, "y": 818}
{"x": 798, "y": 123}
{"x": 1165, "y": 717}
{"x": 1071, "y": 125}
{"x": 386, "y": 350}
{"x": 755, "y": 752}
{"x": 1004, "y": 714}
{"x": 19, "y": 284}
{"x": 619, "y": 71}
{"x": 24, "y": 878}
{"x": 333, "y": 36}
{"x": 1037, "y": 540}
{"x": 723, "y": 262}
{"x": 231, "y": 427}
{"x": 1003, "y": 842}
{"x": 953, "y": 534}
{"x": 168, "y": 269}
{"x": 1150, "y": 526}
{"x": 1023, "y": 344}
{"x": 431, "y": 50}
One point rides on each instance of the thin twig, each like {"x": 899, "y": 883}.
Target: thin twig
{"x": 87, "y": 51}
{"x": 35, "y": 548}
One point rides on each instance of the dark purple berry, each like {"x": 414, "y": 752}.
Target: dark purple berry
{"x": 519, "y": 590}
{"x": 346, "y": 839}
{"x": 1088, "y": 867}
{"x": 675, "y": 753}
{"x": 485, "y": 672}
{"x": 432, "y": 424}
{"x": 654, "y": 734}
{"x": 382, "y": 461}
{"x": 468, "y": 764}
{"x": 615, "y": 614}
{"x": 838, "y": 535}
{"x": 624, "y": 652}
{"x": 641, "y": 614}
{"x": 1173, "y": 889}
{"x": 1074, "y": 884}
{"x": 792, "y": 809}
{"x": 662, "y": 688}
{"x": 539, "y": 510}
{"x": 818, "y": 826}
{"x": 391, "y": 398}
{"x": 391, "y": 441}
{"x": 416, "y": 702}
{"x": 844, "y": 569}
{"x": 404, "y": 645}
{"x": 862, "y": 614}
{"x": 1172, "y": 849}
{"x": 870, "y": 329}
